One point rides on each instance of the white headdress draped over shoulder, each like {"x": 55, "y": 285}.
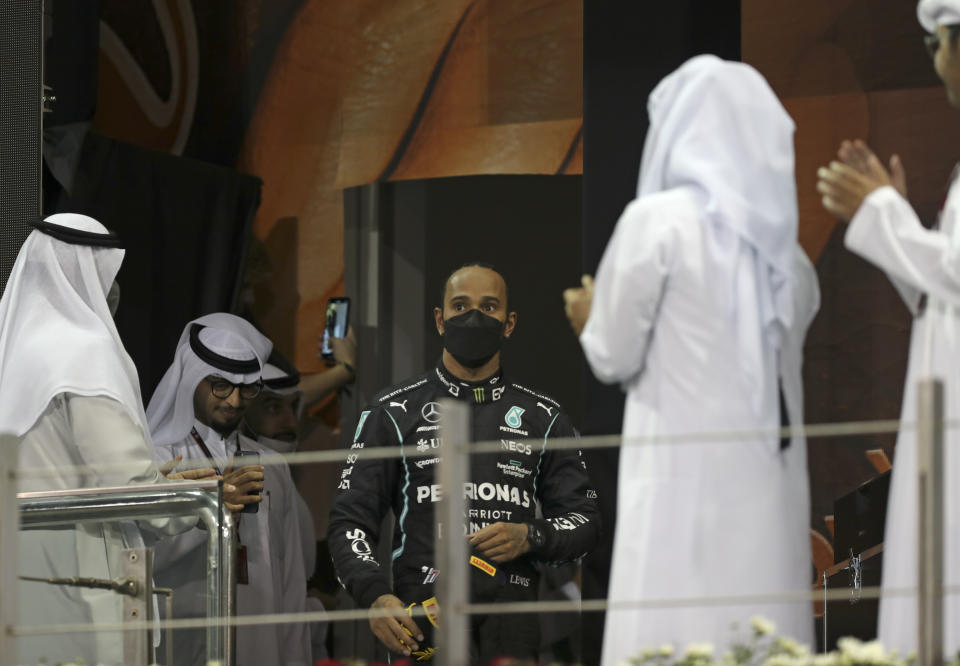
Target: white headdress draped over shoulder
{"x": 56, "y": 331}
{"x": 717, "y": 126}
{"x": 216, "y": 344}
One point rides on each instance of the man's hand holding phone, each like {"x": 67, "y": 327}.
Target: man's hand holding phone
{"x": 336, "y": 327}
{"x": 247, "y": 482}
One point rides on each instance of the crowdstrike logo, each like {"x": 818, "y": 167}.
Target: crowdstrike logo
{"x": 513, "y": 417}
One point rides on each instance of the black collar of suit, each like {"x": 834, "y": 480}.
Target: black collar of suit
{"x": 486, "y": 390}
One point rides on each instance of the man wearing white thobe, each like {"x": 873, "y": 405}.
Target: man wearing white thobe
{"x": 195, "y": 413}
{"x": 273, "y": 420}
{"x": 923, "y": 266}
{"x": 70, "y": 391}
{"x": 699, "y": 311}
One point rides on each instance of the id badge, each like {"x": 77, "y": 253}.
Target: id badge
{"x": 243, "y": 575}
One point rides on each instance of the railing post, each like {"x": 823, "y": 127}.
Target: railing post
{"x": 453, "y": 587}
{"x": 9, "y": 545}
{"x": 228, "y": 568}
{"x": 137, "y": 565}
{"x": 930, "y": 522}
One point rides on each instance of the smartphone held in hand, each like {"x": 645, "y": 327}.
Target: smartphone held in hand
{"x": 247, "y": 459}
{"x": 337, "y": 321}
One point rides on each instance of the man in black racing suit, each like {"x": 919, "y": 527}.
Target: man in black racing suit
{"x": 504, "y": 491}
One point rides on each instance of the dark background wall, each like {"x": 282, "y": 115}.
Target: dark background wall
{"x": 416, "y": 232}
{"x": 529, "y": 227}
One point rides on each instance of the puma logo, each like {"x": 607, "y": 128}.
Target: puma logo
{"x": 548, "y": 410}
{"x": 401, "y": 405}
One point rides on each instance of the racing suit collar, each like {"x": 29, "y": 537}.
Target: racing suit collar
{"x": 475, "y": 392}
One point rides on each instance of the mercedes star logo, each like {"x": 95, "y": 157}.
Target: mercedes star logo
{"x": 431, "y": 412}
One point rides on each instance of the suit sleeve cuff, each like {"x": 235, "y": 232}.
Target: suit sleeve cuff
{"x": 372, "y": 591}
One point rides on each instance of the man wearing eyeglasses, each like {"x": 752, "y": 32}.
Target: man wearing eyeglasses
{"x": 922, "y": 264}
{"x": 194, "y": 417}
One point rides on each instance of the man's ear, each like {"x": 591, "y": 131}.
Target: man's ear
{"x": 438, "y": 319}
{"x": 510, "y": 324}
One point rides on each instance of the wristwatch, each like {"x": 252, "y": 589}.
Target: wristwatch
{"x": 535, "y": 536}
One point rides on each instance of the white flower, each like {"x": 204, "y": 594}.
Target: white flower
{"x": 699, "y": 651}
{"x": 727, "y": 660}
{"x": 863, "y": 653}
{"x": 828, "y": 659}
{"x": 781, "y": 660}
{"x": 791, "y": 647}
{"x": 762, "y": 625}
{"x": 666, "y": 650}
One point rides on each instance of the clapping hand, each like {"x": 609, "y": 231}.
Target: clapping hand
{"x": 577, "y": 303}
{"x": 845, "y": 183}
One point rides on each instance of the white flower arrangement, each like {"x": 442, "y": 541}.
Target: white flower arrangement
{"x": 767, "y": 649}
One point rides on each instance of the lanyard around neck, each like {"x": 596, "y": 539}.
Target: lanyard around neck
{"x": 206, "y": 451}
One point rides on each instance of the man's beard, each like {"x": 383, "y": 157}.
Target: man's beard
{"x": 224, "y": 424}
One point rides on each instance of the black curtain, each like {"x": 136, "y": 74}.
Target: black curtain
{"x": 185, "y": 225}
{"x": 628, "y": 47}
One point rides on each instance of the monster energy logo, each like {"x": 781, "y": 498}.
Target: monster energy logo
{"x": 478, "y": 393}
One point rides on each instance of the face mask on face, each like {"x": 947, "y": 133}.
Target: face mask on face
{"x": 473, "y": 337}
{"x": 278, "y": 445}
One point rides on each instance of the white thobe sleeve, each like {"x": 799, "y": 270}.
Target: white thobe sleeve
{"x": 169, "y": 553}
{"x": 887, "y": 232}
{"x": 626, "y": 297}
{"x": 295, "y": 637}
{"x": 110, "y": 442}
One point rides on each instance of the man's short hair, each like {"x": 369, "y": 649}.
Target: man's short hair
{"x": 471, "y": 264}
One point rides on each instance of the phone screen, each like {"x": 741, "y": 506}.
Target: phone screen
{"x": 246, "y": 459}
{"x": 338, "y": 318}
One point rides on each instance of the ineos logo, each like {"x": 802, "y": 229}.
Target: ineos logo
{"x": 431, "y": 412}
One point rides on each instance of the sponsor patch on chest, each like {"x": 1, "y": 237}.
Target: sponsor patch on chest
{"x": 515, "y": 469}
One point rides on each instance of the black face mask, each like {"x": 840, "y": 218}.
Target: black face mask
{"x": 473, "y": 337}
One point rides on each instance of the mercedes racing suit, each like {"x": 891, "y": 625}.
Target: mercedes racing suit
{"x": 506, "y": 486}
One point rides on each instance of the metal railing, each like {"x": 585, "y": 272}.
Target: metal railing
{"x": 452, "y": 470}
{"x": 41, "y": 510}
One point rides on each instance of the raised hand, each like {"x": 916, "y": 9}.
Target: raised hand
{"x": 577, "y": 303}
{"x": 859, "y": 156}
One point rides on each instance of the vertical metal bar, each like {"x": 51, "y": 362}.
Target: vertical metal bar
{"x": 449, "y": 545}
{"x": 9, "y": 545}
{"x": 826, "y": 613}
{"x": 228, "y": 538}
{"x": 930, "y": 522}
{"x": 167, "y": 595}
{"x": 138, "y": 645}
{"x": 215, "y": 577}
{"x": 221, "y": 581}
